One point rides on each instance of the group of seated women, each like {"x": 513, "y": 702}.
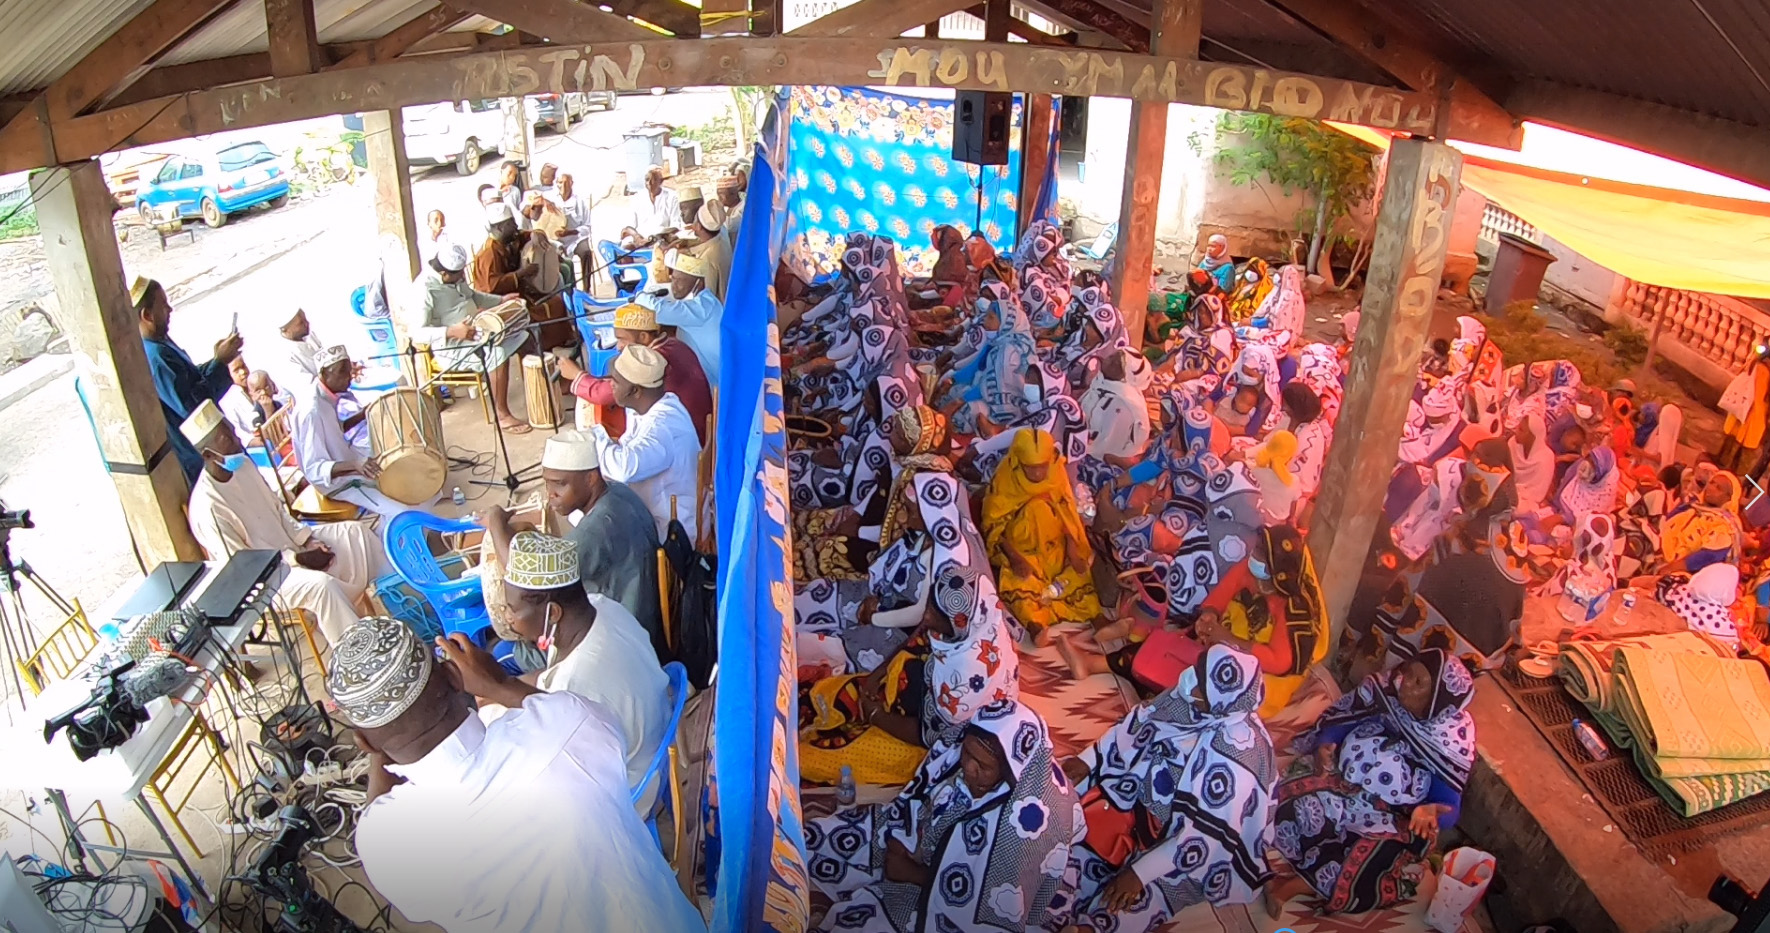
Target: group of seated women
{"x": 984, "y": 464}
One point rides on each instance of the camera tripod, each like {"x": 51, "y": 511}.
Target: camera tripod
{"x": 18, "y": 640}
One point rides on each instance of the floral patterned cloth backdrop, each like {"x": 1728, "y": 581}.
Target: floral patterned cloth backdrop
{"x": 864, "y": 160}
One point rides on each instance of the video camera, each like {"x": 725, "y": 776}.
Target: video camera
{"x": 277, "y": 874}
{"x": 15, "y": 518}
{"x": 106, "y": 719}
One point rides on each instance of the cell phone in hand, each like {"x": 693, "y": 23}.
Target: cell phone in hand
{"x": 234, "y": 328}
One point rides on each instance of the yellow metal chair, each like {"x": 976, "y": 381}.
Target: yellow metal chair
{"x": 429, "y": 375}
{"x": 300, "y": 497}
{"x": 308, "y": 622}
{"x": 59, "y": 654}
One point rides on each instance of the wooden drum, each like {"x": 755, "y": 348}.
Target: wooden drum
{"x": 494, "y": 322}
{"x": 405, "y": 430}
{"x": 538, "y": 393}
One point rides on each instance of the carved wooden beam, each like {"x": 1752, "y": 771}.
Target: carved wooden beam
{"x": 566, "y": 22}
{"x": 878, "y": 18}
{"x": 1356, "y": 29}
{"x": 403, "y": 37}
{"x": 730, "y": 61}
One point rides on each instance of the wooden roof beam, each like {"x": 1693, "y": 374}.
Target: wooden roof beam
{"x": 1087, "y": 16}
{"x": 672, "y": 16}
{"x": 566, "y": 22}
{"x": 1358, "y": 30}
{"x": 726, "y": 61}
{"x": 878, "y": 18}
{"x": 403, "y": 37}
{"x": 127, "y": 54}
{"x": 293, "y": 37}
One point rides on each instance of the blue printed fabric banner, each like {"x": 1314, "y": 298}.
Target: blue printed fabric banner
{"x": 864, "y": 160}
{"x": 760, "y": 868}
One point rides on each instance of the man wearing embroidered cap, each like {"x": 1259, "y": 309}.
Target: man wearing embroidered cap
{"x": 181, "y": 384}
{"x": 594, "y": 647}
{"x": 233, "y": 509}
{"x": 319, "y": 431}
{"x": 691, "y": 309}
{"x": 731, "y": 202}
{"x": 611, "y": 526}
{"x": 683, "y": 376}
{"x": 658, "y": 454}
{"x": 710, "y": 247}
{"x": 442, "y": 318}
{"x": 523, "y": 824}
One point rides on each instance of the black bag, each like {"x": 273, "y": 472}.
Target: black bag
{"x": 694, "y": 605}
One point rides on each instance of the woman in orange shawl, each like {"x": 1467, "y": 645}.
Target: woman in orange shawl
{"x": 1035, "y": 538}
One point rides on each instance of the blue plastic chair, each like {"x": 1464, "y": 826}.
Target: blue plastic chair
{"x": 459, "y": 603}
{"x": 663, "y": 762}
{"x": 620, "y": 263}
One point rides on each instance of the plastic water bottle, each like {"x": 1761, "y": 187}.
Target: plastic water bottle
{"x": 458, "y": 497}
{"x": 1590, "y": 740}
{"x": 845, "y": 790}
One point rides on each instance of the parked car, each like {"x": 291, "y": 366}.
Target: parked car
{"x": 213, "y": 185}
{"x": 559, "y": 110}
{"x": 123, "y": 172}
{"x": 455, "y": 134}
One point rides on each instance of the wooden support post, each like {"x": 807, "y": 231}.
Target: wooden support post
{"x": 1176, "y": 32}
{"x": 1035, "y": 154}
{"x": 294, "y": 39}
{"x": 1407, "y": 261}
{"x": 396, "y": 223}
{"x": 996, "y": 19}
{"x": 74, "y": 212}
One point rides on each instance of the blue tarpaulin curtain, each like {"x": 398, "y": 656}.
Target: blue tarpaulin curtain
{"x": 870, "y": 162}
{"x": 761, "y": 883}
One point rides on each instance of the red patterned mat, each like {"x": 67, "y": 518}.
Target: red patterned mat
{"x": 1078, "y": 712}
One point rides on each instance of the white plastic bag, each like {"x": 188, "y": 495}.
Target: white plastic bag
{"x": 1464, "y": 879}
{"x": 1737, "y": 400}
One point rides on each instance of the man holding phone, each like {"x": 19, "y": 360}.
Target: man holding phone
{"x": 181, "y": 384}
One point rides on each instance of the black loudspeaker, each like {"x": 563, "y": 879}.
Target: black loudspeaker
{"x": 981, "y": 120}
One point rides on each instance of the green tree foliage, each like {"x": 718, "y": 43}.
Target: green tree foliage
{"x": 1298, "y": 155}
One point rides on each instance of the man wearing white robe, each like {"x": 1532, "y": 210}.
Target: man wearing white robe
{"x": 335, "y": 466}
{"x": 520, "y": 825}
{"x": 658, "y": 455}
{"x": 232, "y": 509}
{"x": 289, "y": 356}
{"x": 690, "y": 308}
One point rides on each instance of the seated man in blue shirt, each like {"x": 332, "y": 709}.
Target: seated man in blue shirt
{"x": 181, "y": 384}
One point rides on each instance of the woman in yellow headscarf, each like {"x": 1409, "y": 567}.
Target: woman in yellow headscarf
{"x": 1035, "y": 538}
{"x": 1705, "y": 530}
{"x": 1269, "y": 466}
{"x": 1251, "y": 288}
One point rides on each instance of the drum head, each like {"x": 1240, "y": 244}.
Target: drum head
{"x": 413, "y": 475}
{"x": 488, "y": 323}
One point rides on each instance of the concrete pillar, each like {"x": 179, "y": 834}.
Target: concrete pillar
{"x": 1174, "y": 32}
{"x": 1407, "y": 261}
{"x": 74, "y": 212}
{"x": 396, "y": 221}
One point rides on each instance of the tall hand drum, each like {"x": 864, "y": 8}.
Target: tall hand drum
{"x": 405, "y": 430}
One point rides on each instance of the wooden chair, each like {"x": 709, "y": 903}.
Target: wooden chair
{"x": 299, "y": 496}
{"x": 430, "y": 375}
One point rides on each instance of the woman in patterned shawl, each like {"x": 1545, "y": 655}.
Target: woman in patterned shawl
{"x": 1101, "y": 331}
{"x": 1044, "y": 274}
{"x": 1178, "y": 798}
{"x": 1390, "y": 762}
{"x": 979, "y": 840}
{"x": 991, "y": 385}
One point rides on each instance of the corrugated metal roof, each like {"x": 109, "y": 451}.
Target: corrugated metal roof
{"x": 44, "y": 38}
{"x": 1707, "y": 56}
{"x": 241, "y": 28}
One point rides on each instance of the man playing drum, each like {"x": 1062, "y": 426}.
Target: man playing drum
{"x": 443, "y": 318}
{"x": 336, "y": 467}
